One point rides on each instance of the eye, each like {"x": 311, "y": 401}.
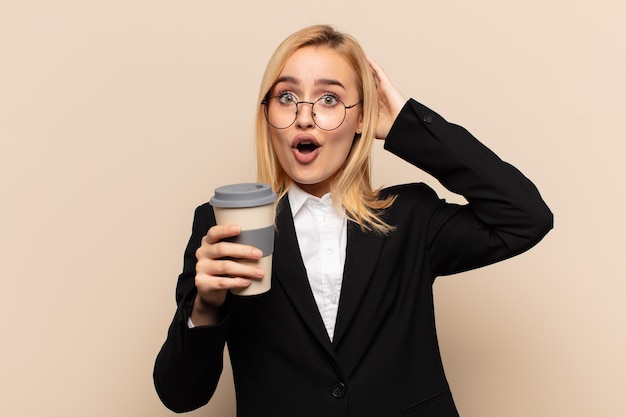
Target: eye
{"x": 329, "y": 100}
{"x": 286, "y": 98}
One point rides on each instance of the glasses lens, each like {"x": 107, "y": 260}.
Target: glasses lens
{"x": 328, "y": 112}
{"x": 280, "y": 114}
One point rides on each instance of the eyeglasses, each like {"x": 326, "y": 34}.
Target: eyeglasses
{"x": 328, "y": 111}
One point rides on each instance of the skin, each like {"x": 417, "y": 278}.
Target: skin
{"x": 305, "y": 68}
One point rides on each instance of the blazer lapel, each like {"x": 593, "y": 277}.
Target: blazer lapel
{"x": 289, "y": 271}
{"x": 362, "y": 254}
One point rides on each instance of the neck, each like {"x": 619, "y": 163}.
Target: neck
{"x": 318, "y": 190}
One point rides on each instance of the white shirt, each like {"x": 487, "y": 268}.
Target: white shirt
{"x": 321, "y": 231}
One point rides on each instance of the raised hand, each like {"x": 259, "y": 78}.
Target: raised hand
{"x": 390, "y": 100}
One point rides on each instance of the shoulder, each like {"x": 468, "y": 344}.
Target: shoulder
{"x": 413, "y": 200}
{"x": 412, "y": 193}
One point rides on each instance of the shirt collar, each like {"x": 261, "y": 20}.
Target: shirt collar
{"x": 298, "y": 197}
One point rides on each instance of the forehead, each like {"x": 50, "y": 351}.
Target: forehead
{"x": 310, "y": 64}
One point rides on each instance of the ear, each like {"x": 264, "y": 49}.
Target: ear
{"x": 359, "y": 125}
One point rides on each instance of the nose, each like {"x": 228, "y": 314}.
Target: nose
{"x": 304, "y": 116}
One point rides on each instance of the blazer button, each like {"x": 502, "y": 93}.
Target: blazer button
{"x": 428, "y": 118}
{"x": 338, "y": 390}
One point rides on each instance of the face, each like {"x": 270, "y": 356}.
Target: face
{"x": 311, "y": 156}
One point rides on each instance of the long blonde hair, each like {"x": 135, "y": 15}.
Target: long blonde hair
{"x": 352, "y": 190}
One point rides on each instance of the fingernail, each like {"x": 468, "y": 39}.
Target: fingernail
{"x": 257, "y": 253}
{"x": 260, "y": 273}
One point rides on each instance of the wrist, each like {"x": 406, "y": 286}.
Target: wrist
{"x": 203, "y": 313}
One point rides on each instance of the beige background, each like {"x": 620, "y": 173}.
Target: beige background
{"x": 118, "y": 118}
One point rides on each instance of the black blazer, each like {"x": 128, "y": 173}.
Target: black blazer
{"x": 384, "y": 359}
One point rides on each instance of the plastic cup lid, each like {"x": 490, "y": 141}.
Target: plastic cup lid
{"x": 243, "y": 195}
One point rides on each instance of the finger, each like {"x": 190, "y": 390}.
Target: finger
{"x": 209, "y": 286}
{"x": 220, "y": 232}
{"x": 379, "y": 73}
{"x": 222, "y": 250}
{"x": 229, "y": 268}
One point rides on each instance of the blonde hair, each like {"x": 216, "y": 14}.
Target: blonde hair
{"x": 352, "y": 190}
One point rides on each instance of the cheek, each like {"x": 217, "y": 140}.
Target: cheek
{"x": 276, "y": 141}
{"x": 344, "y": 138}
{"x": 280, "y": 152}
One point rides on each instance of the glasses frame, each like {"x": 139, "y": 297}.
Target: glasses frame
{"x": 265, "y": 103}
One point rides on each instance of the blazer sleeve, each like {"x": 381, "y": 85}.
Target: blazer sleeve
{"x": 189, "y": 364}
{"x": 505, "y": 215}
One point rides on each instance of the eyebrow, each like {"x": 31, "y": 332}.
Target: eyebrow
{"x": 321, "y": 81}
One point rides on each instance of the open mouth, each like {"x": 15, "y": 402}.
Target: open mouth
{"x": 306, "y": 147}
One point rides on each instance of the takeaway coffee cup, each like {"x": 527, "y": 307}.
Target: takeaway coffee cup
{"x": 251, "y": 206}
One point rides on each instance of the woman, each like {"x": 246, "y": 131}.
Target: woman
{"x": 348, "y": 326}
